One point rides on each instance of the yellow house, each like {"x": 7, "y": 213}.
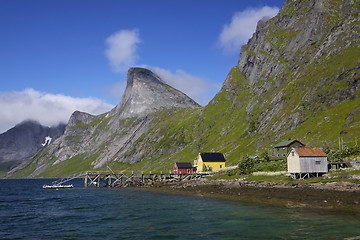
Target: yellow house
{"x": 210, "y": 161}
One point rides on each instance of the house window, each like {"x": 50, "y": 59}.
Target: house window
{"x": 283, "y": 154}
{"x": 278, "y": 155}
{"x": 292, "y": 154}
{"x": 220, "y": 166}
{"x": 317, "y": 162}
{"x": 188, "y": 171}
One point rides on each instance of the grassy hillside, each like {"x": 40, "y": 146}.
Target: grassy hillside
{"x": 298, "y": 78}
{"x": 222, "y": 126}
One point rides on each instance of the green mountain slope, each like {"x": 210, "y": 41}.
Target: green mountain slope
{"x": 298, "y": 77}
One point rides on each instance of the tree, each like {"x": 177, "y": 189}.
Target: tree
{"x": 264, "y": 156}
{"x": 246, "y": 166}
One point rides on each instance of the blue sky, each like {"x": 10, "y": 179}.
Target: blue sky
{"x": 60, "y": 56}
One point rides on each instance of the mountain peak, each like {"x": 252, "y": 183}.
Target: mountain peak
{"x": 138, "y": 74}
{"x": 146, "y": 92}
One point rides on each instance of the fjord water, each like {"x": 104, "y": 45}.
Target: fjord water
{"x": 29, "y": 212}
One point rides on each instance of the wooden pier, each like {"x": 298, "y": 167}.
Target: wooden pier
{"x": 112, "y": 179}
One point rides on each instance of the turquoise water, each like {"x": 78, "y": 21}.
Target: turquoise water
{"x": 29, "y": 212}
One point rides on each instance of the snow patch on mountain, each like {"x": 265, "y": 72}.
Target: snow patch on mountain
{"x": 47, "y": 141}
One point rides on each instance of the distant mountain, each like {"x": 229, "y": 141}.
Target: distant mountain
{"x": 297, "y": 77}
{"x": 21, "y": 142}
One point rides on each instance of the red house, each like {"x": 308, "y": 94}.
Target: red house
{"x": 183, "y": 168}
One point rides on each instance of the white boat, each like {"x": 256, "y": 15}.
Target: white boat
{"x": 57, "y": 186}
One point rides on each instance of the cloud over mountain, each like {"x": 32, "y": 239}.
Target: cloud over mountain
{"x": 242, "y": 26}
{"x": 46, "y": 108}
{"x": 121, "y": 49}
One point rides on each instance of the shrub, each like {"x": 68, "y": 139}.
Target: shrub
{"x": 231, "y": 172}
{"x": 264, "y": 156}
{"x": 340, "y": 155}
{"x": 271, "y": 166}
{"x": 246, "y": 166}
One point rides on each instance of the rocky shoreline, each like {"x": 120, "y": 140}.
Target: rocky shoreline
{"x": 333, "y": 195}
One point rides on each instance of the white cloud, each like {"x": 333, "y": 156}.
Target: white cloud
{"x": 196, "y": 87}
{"x": 121, "y": 49}
{"x": 242, "y": 26}
{"x": 48, "y": 109}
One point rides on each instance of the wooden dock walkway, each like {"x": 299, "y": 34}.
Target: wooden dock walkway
{"x": 109, "y": 178}
{"x": 112, "y": 179}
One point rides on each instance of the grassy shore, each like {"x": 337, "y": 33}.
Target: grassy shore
{"x": 336, "y": 190}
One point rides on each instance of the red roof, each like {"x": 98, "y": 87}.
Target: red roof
{"x": 310, "y": 152}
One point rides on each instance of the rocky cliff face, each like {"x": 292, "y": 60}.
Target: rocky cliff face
{"x": 145, "y": 93}
{"x": 304, "y": 33}
{"x": 21, "y": 142}
{"x": 306, "y": 58}
{"x": 95, "y": 140}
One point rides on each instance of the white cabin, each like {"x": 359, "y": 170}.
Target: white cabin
{"x": 305, "y": 162}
